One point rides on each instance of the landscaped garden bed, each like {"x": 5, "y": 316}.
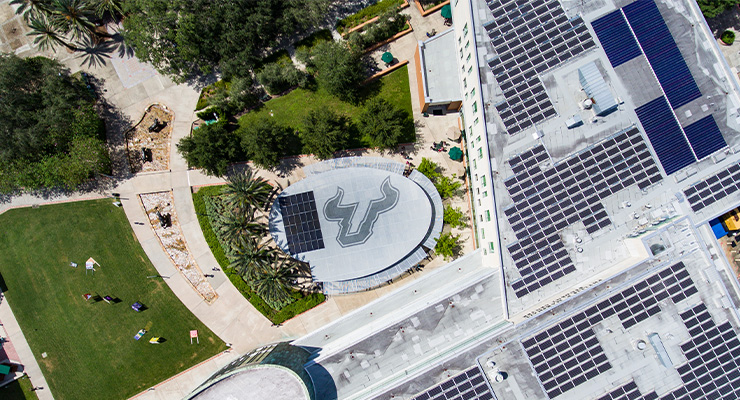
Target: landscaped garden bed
{"x": 163, "y": 220}
{"x": 86, "y": 348}
{"x": 148, "y": 143}
{"x": 302, "y": 302}
{"x": 347, "y": 24}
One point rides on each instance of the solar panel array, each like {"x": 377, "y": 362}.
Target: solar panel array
{"x": 530, "y": 37}
{"x": 301, "y": 222}
{"x": 705, "y": 137}
{"x": 548, "y": 200}
{"x": 568, "y": 354}
{"x": 665, "y": 134}
{"x": 714, "y": 188}
{"x": 468, "y": 385}
{"x": 661, "y": 51}
{"x": 616, "y": 38}
{"x": 712, "y": 370}
{"x": 628, "y": 391}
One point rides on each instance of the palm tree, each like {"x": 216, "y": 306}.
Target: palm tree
{"x": 245, "y": 191}
{"x": 73, "y": 17}
{"x": 273, "y": 283}
{"x": 112, "y": 7}
{"x": 234, "y": 226}
{"x": 46, "y": 35}
{"x": 248, "y": 257}
{"x": 31, "y": 9}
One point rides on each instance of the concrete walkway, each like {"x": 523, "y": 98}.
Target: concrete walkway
{"x": 130, "y": 87}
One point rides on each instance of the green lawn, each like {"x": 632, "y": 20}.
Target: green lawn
{"x": 292, "y": 108}
{"x": 90, "y": 347}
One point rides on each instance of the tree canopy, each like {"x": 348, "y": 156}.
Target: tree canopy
{"x": 211, "y": 147}
{"x": 265, "y": 141}
{"x": 324, "y": 133}
{"x": 713, "y": 8}
{"x": 382, "y": 123}
{"x": 50, "y": 132}
{"x": 338, "y": 69}
{"x": 186, "y": 37}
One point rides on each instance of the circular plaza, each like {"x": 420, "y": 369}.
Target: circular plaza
{"x": 358, "y": 221}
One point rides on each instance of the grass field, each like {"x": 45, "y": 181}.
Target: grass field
{"x": 292, "y": 109}
{"x": 90, "y": 346}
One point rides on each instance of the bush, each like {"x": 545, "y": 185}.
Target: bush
{"x": 389, "y": 24}
{"x": 455, "y": 217}
{"x": 367, "y": 13}
{"x": 210, "y": 91}
{"x": 728, "y": 37}
{"x": 207, "y": 114}
{"x": 277, "y": 78}
{"x": 447, "y": 187}
{"x": 448, "y": 245}
{"x": 429, "y": 168}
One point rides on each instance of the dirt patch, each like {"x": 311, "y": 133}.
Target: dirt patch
{"x": 155, "y": 141}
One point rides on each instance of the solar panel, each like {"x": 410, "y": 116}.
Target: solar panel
{"x": 705, "y": 137}
{"x": 547, "y": 201}
{"x": 616, "y": 38}
{"x": 468, "y": 385}
{"x": 529, "y": 41}
{"x": 661, "y": 51}
{"x": 301, "y": 222}
{"x": 568, "y": 353}
{"x": 665, "y": 135}
{"x": 707, "y": 192}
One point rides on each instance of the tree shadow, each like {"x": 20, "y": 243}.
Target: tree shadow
{"x": 730, "y": 18}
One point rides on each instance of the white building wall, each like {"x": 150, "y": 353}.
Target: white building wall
{"x": 474, "y": 123}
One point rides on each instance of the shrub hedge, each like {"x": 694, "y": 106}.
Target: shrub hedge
{"x": 728, "y": 37}
{"x": 367, "y": 13}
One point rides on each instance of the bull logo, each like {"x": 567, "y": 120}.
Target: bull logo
{"x": 334, "y": 210}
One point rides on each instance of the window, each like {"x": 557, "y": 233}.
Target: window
{"x": 476, "y": 177}
{"x": 481, "y": 218}
{"x": 470, "y": 69}
{"x": 456, "y": 2}
{"x": 465, "y": 81}
{"x": 467, "y": 45}
{"x": 485, "y": 194}
{"x": 488, "y": 215}
{"x": 482, "y": 233}
{"x": 465, "y": 30}
{"x": 483, "y": 180}
{"x": 461, "y": 53}
{"x": 468, "y": 59}
{"x": 472, "y": 92}
{"x": 475, "y": 164}
{"x": 491, "y": 246}
{"x": 480, "y": 153}
{"x": 475, "y": 106}
{"x": 476, "y": 121}
{"x": 478, "y": 138}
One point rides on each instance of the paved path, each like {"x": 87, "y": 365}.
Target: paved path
{"x": 131, "y": 89}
